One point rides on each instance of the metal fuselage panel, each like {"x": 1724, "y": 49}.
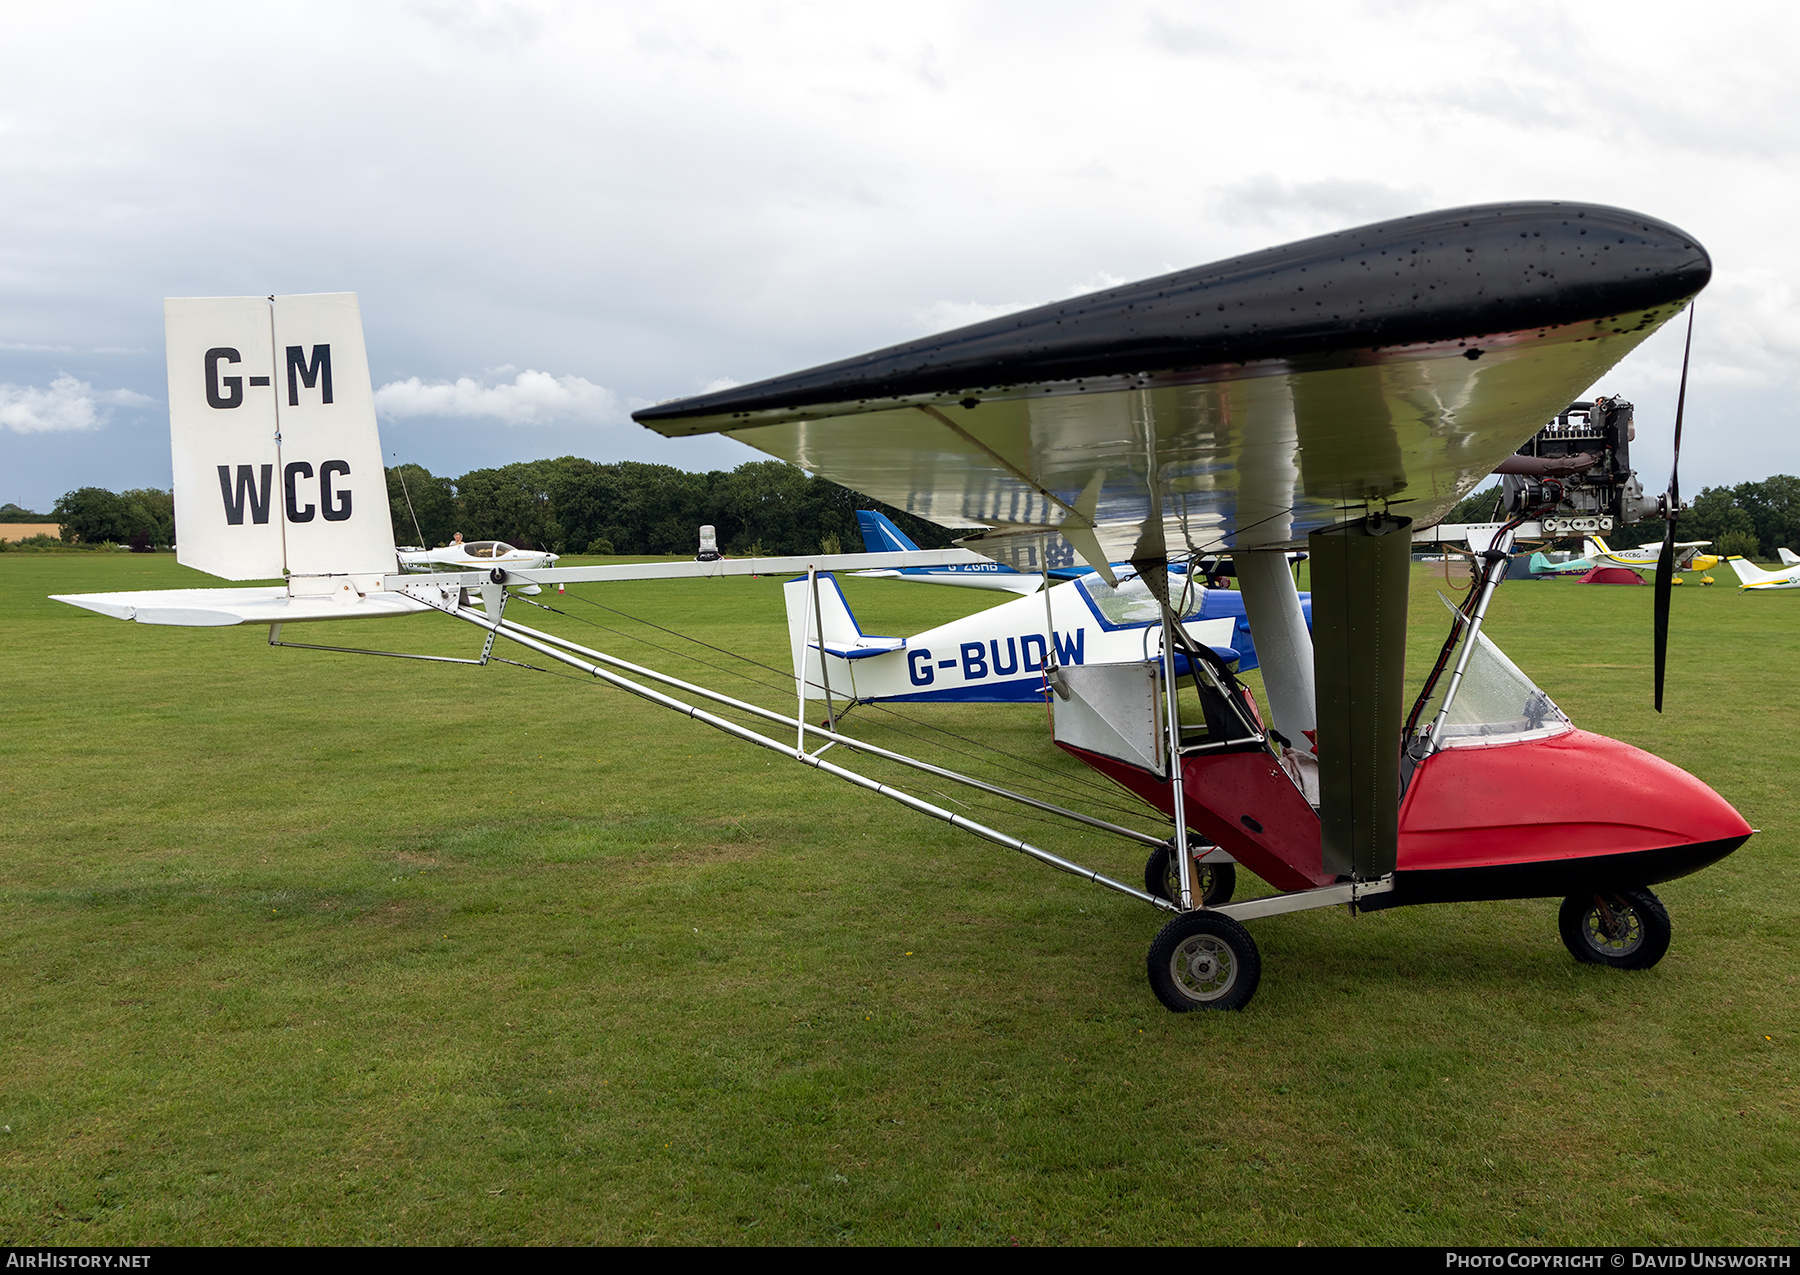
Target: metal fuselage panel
{"x": 1241, "y": 802}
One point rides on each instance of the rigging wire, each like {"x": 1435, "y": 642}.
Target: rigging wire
{"x": 900, "y": 777}
{"x": 1098, "y": 791}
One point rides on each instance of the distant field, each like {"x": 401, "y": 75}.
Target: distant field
{"x": 316, "y": 948}
{"x": 25, "y": 530}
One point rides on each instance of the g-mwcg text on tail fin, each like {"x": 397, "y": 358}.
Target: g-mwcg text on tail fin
{"x": 278, "y": 465}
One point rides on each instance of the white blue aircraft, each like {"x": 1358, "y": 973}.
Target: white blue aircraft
{"x": 999, "y": 655}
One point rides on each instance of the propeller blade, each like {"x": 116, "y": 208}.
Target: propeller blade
{"x": 1665, "y": 587}
{"x": 1680, "y": 408}
{"x": 1665, "y": 561}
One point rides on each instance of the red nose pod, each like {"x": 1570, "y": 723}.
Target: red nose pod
{"x": 1572, "y": 813}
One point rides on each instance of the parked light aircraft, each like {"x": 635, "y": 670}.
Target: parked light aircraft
{"x": 1750, "y": 576}
{"x": 1001, "y": 655}
{"x": 1542, "y": 566}
{"x": 1687, "y": 555}
{"x": 880, "y": 535}
{"x": 1320, "y": 395}
{"x": 474, "y": 554}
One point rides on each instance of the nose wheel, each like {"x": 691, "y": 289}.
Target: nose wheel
{"x": 1214, "y": 883}
{"x": 1202, "y": 960}
{"x": 1629, "y": 930}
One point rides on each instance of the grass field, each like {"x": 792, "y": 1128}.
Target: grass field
{"x": 313, "y": 948}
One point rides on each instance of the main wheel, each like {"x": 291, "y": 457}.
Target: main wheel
{"x": 1202, "y": 960}
{"x": 1628, "y": 931}
{"x": 1215, "y": 882}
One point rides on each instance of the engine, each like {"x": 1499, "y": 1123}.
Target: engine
{"x": 1577, "y": 469}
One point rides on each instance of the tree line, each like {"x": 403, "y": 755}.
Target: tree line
{"x": 567, "y": 505}
{"x": 573, "y": 505}
{"x": 143, "y": 517}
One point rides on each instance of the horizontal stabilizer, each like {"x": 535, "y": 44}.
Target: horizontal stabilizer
{"x": 862, "y": 647}
{"x": 218, "y": 608}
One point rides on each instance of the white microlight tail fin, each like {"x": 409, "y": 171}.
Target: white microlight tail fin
{"x": 832, "y": 624}
{"x": 278, "y": 464}
{"x": 1749, "y": 573}
{"x": 821, "y": 620}
{"x": 1593, "y": 548}
{"x": 1788, "y": 557}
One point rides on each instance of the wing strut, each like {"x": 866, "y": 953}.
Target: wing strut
{"x": 1360, "y": 573}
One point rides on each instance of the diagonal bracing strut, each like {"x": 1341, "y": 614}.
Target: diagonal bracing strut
{"x": 559, "y": 649}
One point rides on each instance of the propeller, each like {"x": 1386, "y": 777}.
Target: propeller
{"x": 1671, "y": 509}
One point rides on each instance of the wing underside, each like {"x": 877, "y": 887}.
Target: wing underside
{"x": 1241, "y": 405}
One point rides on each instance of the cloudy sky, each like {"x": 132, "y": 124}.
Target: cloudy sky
{"x": 554, "y": 213}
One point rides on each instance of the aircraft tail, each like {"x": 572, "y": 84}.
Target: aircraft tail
{"x": 278, "y": 463}
{"x": 823, "y": 622}
{"x": 1788, "y": 557}
{"x": 1592, "y": 548}
{"x": 880, "y": 535}
{"x": 1749, "y": 573}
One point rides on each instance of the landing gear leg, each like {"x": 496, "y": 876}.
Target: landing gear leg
{"x": 1214, "y": 883}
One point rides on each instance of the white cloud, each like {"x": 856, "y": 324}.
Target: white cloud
{"x": 942, "y": 316}
{"x": 38, "y": 347}
{"x": 1745, "y": 328}
{"x": 68, "y": 405}
{"x": 1100, "y": 281}
{"x": 1328, "y": 204}
{"x": 530, "y": 398}
{"x": 681, "y": 190}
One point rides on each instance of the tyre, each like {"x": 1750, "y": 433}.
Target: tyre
{"x": 1215, "y": 882}
{"x": 1202, "y": 960}
{"x": 1628, "y": 931}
